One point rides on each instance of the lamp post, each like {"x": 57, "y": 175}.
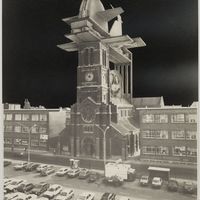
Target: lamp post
{"x": 29, "y": 139}
{"x": 104, "y": 143}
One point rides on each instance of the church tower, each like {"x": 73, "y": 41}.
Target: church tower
{"x": 104, "y": 82}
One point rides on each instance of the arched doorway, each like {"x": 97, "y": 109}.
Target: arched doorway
{"x": 88, "y": 147}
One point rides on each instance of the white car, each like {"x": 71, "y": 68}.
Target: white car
{"x": 14, "y": 185}
{"x": 20, "y": 166}
{"x": 157, "y": 182}
{"x": 144, "y": 180}
{"x": 86, "y": 196}
{"x": 124, "y": 198}
{"x": 41, "y": 167}
{"x": 63, "y": 171}
{"x": 66, "y": 194}
{"x": 20, "y": 196}
{"x": 53, "y": 191}
{"x": 7, "y": 182}
{"x": 11, "y": 196}
{"x": 31, "y": 197}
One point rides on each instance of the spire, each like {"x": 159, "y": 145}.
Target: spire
{"x": 27, "y": 104}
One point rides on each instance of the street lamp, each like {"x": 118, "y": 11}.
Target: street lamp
{"x": 29, "y": 139}
{"x": 104, "y": 143}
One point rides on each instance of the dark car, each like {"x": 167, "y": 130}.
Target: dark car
{"x": 84, "y": 173}
{"x": 6, "y": 163}
{"x": 93, "y": 176}
{"x": 172, "y": 185}
{"x": 108, "y": 196}
{"x": 25, "y": 187}
{"x": 189, "y": 187}
{"x": 31, "y": 167}
{"x": 113, "y": 180}
{"x": 40, "y": 188}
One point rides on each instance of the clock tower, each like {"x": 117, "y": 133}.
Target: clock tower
{"x": 100, "y": 118}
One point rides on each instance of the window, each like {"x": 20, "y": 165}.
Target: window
{"x": 191, "y": 151}
{"x": 161, "y": 118}
{"x": 25, "y": 129}
{"x": 191, "y": 135}
{"x": 34, "y": 129}
{"x": 18, "y": 129}
{"x": 35, "y": 117}
{"x": 43, "y": 130}
{"x": 191, "y": 118}
{"x": 88, "y": 128}
{"x": 178, "y": 118}
{"x": 17, "y": 141}
{"x": 8, "y": 128}
{"x": 18, "y": 117}
{"x": 180, "y": 135}
{"x": 155, "y": 134}
{"x": 43, "y": 117}
{"x": 34, "y": 143}
{"x": 153, "y": 150}
{"x": 43, "y": 143}
{"x": 179, "y": 151}
{"x": 7, "y": 141}
{"x": 24, "y": 142}
{"x": 25, "y": 117}
{"x": 149, "y": 118}
{"x": 9, "y": 117}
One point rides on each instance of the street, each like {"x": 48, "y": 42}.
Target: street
{"x": 131, "y": 189}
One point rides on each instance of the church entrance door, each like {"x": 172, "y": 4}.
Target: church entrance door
{"x": 88, "y": 148}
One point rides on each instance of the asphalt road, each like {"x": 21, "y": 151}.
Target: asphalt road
{"x": 131, "y": 189}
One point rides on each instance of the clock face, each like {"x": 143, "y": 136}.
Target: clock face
{"x": 89, "y": 76}
{"x": 115, "y": 83}
{"x": 87, "y": 114}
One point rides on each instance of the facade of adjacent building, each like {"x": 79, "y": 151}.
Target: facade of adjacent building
{"x": 104, "y": 85}
{"x": 37, "y": 124}
{"x": 168, "y": 133}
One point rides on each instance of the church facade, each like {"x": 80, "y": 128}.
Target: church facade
{"x": 102, "y": 119}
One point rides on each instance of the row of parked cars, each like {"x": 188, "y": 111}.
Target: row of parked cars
{"x": 172, "y": 184}
{"x": 15, "y": 189}
{"x": 44, "y": 170}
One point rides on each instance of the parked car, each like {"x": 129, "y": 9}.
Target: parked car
{"x": 31, "y": 167}
{"x": 108, "y": 196}
{"x": 113, "y": 180}
{"x": 157, "y": 182}
{"x": 41, "y": 167}
{"x": 144, "y": 180}
{"x": 93, "y": 176}
{"x": 20, "y": 166}
{"x": 62, "y": 171}
{"x": 40, "y": 188}
{"x": 84, "y": 173}
{"x": 86, "y": 196}
{"x": 31, "y": 197}
{"x": 189, "y": 187}
{"x": 6, "y": 163}
{"x": 124, "y": 198}
{"x": 73, "y": 173}
{"x": 7, "y": 181}
{"x": 65, "y": 194}
{"x": 14, "y": 185}
{"x": 172, "y": 185}
{"x": 25, "y": 187}
{"x": 12, "y": 196}
{"x": 47, "y": 171}
{"x": 20, "y": 196}
{"x": 53, "y": 191}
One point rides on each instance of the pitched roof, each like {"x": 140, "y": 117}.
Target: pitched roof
{"x": 124, "y": 127}
{"x": 148, "y": 102}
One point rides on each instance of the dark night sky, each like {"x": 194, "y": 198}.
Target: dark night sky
{"x": 34, "y": 68}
